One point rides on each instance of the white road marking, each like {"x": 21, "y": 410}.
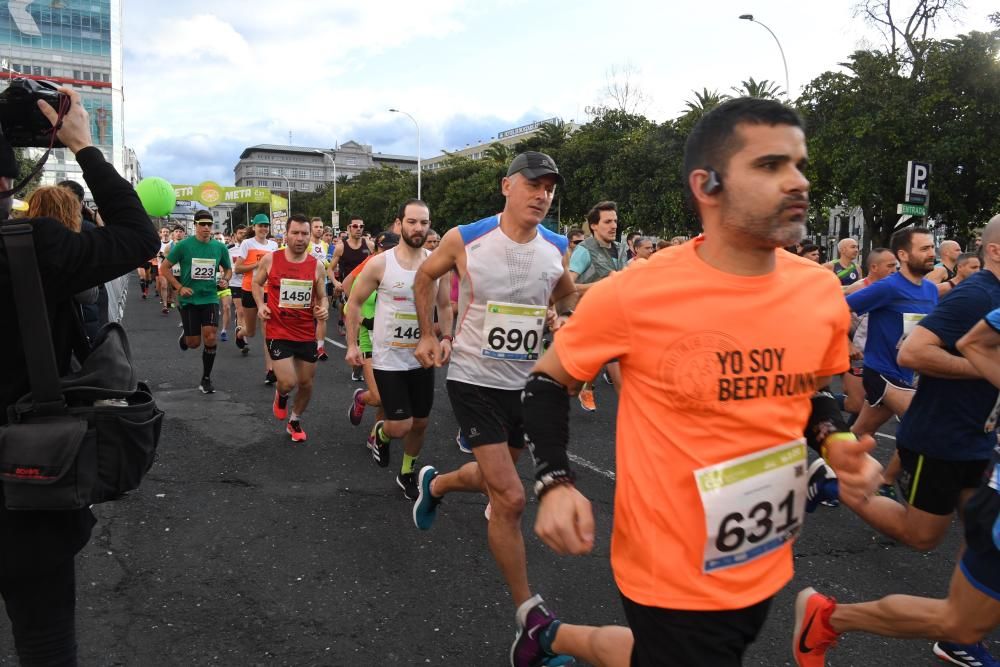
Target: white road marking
{"x": 886, "y": 435}
{"x": 590, "y": 466}
{"x": 333, "y": 342}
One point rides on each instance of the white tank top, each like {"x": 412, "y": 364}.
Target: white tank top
{"x": 502, "y": 302}
{"x": 397, "y": 331}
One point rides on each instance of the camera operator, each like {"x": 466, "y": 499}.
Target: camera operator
{"x": 37, "y": 549}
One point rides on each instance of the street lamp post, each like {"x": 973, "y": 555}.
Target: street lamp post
{"x": 418, "y": 145}
{"x": 333, "y": 159}
{"x": 788, "y": 87}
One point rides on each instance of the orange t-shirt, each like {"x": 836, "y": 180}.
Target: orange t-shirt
{"x": 714, "y": 367}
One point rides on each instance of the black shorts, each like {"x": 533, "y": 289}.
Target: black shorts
{"x": 194, "y": 317}
{"x": 329, "y": 289}
{"x": 487, "y": 416}
{"x": 406, "y": 394}
{"x": 279, "y": 348}
{"x": 981, "y": 561}
{"x": 692, "y": 638}
{"x": 237, "y": 292}
{"x": 934, "y": 485}
{"x": 246, "y": 297}
{"x": 876, "y": 384}
{"x": 153, "y": 270}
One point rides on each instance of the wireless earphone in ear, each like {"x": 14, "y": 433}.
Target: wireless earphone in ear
{"x": 714, "y": 183}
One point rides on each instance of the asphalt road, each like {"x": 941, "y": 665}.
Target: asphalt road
{"x": 244, "y": 549}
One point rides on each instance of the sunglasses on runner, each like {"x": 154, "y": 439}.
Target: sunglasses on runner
{"x": 578, "y": 242}
{"x": 204, "y": 223}
{"x": 357, "y": 226}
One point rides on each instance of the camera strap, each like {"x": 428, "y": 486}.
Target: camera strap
{"x": 33, "y": 318}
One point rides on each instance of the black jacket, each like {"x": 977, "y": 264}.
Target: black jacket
{"x": 69, "y": 262}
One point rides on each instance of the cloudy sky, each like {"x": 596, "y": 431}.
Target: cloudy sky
{"x": 204, "y": 80}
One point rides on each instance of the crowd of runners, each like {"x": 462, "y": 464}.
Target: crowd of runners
{"x": 718, "y": 406}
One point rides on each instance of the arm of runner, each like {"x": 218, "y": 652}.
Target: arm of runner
{"x": 257, "y": 285}
{"x": 938, "y": 275}
{"x": 565, "y": 519}
{"x": 437, "y": 264}
{"x": 869, "y": 298}
{"x": 332, "y": 268}
{"x": 320, "y": 307}
{"x": 925, "y": 353}
{"x": 564, "y": 298}
{"x": 444, "y": 318}
{"x": 366, "y": 283}
{"x": 981, "y": 346}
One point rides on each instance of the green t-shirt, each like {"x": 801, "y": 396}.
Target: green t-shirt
{"x": 199, "y": 264}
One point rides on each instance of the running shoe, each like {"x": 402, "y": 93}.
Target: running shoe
{"x": 607, "y": 378}
{"x": 270, "y": 378}
{"x": 280, "y": 406}
{"x": 182, "y": 343}
{"x": 223, "y": 336}
{"x": 536, "y": 625}
{"x": 371, "y": 440}
{"x": 144, "y": 295}
{"x": 357, "y": 409}
{"x": 888, "y": 491}
{"x": 294, "y": 429}
{"x": 340, "y": 329}
{"x": 240, "y": 341}
{"x": 407, "y": 481}
{"x": 822, "y": 486}
{"x": 380, "y": 450}
{"x": 463, "y": 444}
{"x": 206, "y": 386}
{"x": 164, "y": 310}
{"x": 321, "y": 353}
{"x": 587, "y": 401}
{"x": 488, "y": 512}
{"x": 358, "y": 374}
{"x": 971, "y": 655}
{"x": 425, "y": 509}
{"x": 813, "y": 634}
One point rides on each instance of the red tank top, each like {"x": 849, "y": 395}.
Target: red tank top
{"x": 290, "y": 298}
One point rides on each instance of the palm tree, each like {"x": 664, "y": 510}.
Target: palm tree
{"x": 704, "y": 102}
{"x": 554, "y": 134}
{"x": 498, "y": 152}
{"x": 763, "y": 89}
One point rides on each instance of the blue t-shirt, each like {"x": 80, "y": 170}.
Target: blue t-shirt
{"x": 947, "y": 418}
{"x": 886, "y": 302}
{"x": 993, "y": 319}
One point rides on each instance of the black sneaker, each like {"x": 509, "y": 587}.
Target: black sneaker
{"x": 321, "y": 354}
{"x": 380, "y": 450}
{"x": 206, "y": 386}
{"x": 270, "y": 378}
{"x": 182, "y": 343}
{"x": 407, "y": 481}
{"x": 240, "y": 341}
{"x": 358, "y": 374}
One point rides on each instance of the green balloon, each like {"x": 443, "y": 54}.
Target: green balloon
{"x": 157, "y": 196}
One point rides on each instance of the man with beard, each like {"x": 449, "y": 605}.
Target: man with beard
{"x": 406, "y": 389}
{"x": 717, "y": 407}
{"x": 894, "y": 305}
{"x": 296, "y": 301}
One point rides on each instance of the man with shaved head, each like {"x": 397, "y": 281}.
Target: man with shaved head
{"x": 844, "y": 266}
{"x": 948, "y": 267}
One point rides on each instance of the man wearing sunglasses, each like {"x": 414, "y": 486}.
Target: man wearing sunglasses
{"x": 197, "y": 290}
{"x": 347, "y": 257}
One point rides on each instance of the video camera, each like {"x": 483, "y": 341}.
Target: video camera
{"x": 22, "y": 123}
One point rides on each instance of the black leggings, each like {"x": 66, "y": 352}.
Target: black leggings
{"x": 41, "y": 607}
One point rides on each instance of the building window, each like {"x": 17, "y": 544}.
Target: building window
{"x": 352, "y": 161}
{"x": 317, "y": 173}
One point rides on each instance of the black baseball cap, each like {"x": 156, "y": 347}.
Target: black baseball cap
{"x": 534, "y": 165}
{"x": 387, "y": 240}
{"x": 203, "y": 215}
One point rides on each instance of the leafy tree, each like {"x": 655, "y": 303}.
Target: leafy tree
{"x": 763, "y": 89}
{"x": 703, "y": 102}
{"x": 498, "y": 152}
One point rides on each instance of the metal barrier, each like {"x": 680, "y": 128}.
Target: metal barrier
{"x": 117, "y": 291}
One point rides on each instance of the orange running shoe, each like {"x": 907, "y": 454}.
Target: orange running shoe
{"x": 587, "y": 401}
{"x": 280, "y": 406}
{"x": 813, "y": 633}
{"x": 294, "y": 429}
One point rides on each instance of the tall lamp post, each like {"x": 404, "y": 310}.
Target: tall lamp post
{"x": 418, "y": 145}
{"x": 788, "y": 87}
{"x": 334, "y": 161}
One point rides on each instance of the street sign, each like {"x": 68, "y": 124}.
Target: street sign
{"x": 911, "y": 209}
{"x": 917, "y": 179}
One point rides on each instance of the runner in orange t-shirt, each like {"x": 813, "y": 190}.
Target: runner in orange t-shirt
{"x": 720, "y": 372}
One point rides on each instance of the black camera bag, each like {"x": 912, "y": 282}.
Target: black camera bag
{"x": 85, "y": 438}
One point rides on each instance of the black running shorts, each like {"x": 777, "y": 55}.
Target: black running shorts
{"x": 248, "y": 300}
{"x": 487, "y": 416}
{"x": 406, "y": 394}
{"x": 237, "y": 292}
{"x": 981, "y": 561}
{"x": 876, "y": 385}
{"x": 194, "y": 317}
{"x": 692, "y": 638}
{"x": 279, "y": 348}
{"x": 934, "y": 485}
